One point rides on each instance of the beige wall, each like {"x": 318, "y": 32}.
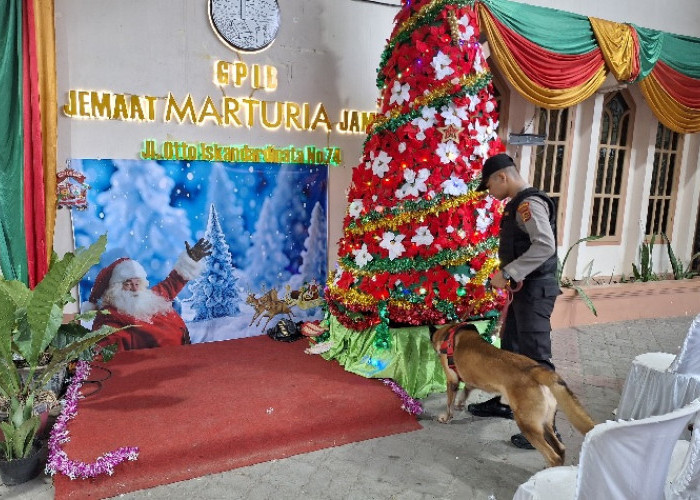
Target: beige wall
{"x": 328, "y": 51}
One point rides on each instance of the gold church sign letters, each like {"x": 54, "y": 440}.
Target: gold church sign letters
{"x": 224, "y": 111}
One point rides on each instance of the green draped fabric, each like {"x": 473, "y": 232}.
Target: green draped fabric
{"x": 552, "y": 29}
{"x": 682, "y": 53}
{"x": 411, "y": 360}
{"x": 13, "y": 250}
{"x": 650, "y": 44}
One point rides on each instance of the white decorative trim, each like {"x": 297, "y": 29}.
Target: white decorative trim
{"x": 187, "y": 267}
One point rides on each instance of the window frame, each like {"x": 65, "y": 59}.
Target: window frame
{"x": 673, "y": 196}
{"x": 622, "y": 196}
{"x": 566, "y": 166}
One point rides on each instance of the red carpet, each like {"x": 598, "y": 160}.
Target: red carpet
{"x": 207, "y": 408}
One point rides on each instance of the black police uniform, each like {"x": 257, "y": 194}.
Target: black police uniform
{"x": 527, "y": 329}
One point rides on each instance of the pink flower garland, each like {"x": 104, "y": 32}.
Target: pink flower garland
{"x": 409, "y": 404}
{"x": 58, "y": 461}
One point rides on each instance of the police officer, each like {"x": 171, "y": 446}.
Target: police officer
{"x": 528, "y": 255}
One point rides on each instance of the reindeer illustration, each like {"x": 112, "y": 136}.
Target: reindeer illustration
{"x": 267, "y": 305}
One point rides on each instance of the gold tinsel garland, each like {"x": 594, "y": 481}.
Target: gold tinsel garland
{"x": 439, "y": 92}
{"x": 405, "y": 217}
{"x": 411, "y": 22}
{"x": 367, "y": 301}
{"x": 449, "y": 262}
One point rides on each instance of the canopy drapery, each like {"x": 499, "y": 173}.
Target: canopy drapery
{"x": 556, "y": 59}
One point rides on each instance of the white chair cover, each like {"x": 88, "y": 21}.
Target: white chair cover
{"x": 660, "y": 382}
{"x": 684, "y": 471}
{"x": 619, "y": 460}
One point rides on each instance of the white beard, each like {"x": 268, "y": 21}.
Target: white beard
{"x": 142, "y": 305}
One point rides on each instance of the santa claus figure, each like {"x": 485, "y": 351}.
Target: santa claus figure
{"x": 122, "y": 289}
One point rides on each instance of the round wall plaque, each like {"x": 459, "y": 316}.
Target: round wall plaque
{"x": 248, "y": 25}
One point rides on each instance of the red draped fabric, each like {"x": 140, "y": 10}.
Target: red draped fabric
{"x": 682, "y": 88}
{"x": 550, "y": 69}
{"x": 34, "y": 196}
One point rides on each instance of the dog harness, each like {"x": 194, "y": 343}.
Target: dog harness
{"x": 448, "y": 346}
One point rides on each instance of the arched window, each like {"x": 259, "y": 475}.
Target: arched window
{"x": 549, "y": 170}
{"x": 664, "y": 181}
{"x": 611, "y": 171}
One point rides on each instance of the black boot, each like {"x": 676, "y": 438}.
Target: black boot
{"x": 520, "y": 441}
{"x": 491, "y": 408}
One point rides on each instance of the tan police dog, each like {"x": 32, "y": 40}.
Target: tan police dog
{"x": 533, "y": 391}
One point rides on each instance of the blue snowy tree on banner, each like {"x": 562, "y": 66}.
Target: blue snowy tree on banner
{"x": 267, "y": 262}
{"x": 288, "y": 202}
{"x": 315, "y": 255}
{"x": 215, "y": 293}
{"x": 230, "y": 214}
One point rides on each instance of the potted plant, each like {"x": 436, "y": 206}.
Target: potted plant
{"x": 35, "y": 339}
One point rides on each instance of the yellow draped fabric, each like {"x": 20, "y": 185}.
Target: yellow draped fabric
{"x": 46, "y": 67}
{"x": 670, "y": 112}
{"x": 538, "y": 95}
{"x": 617, "y": 44}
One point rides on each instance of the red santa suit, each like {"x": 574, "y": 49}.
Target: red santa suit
{"x": 165, "y": 327}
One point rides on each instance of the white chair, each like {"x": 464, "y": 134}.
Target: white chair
{"x": 619, "y": 460}
{"x": 660, "y": 382}
{"x": 683, "y": 482}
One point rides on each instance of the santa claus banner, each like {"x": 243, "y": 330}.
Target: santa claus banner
{"x": 203, "y": 251}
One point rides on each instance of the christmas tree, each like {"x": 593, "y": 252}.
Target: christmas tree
{"x": 418, "y": 242}
{"x": 215, "y": 293}
{"x": 230, "y": 215}
{"x": 314, "y": 256}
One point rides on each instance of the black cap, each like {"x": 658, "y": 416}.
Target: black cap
{"x": 493, "y": 165}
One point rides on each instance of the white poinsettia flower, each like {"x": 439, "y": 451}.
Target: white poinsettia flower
{"x": 462, "y": 279}
{"x": 423, "y": 236}
{"x": 454, "y": 186}
{"x": 473, "y": 103}
{"x": 447, "y": 152}
{"x": 399, "y": 93}
{"x": 402, "y": 147}
{"x": 362, "y": 256}
{"x": 478, "y": 62}
{"x": 420, "y": 136}
{"x": 380, "y": 164}
{"x": 441, "y": 64}
{"x": 426, "y": 120}
{"x": 469, "y": 33}
{"x": 490, "y": 106}
{"x": 454, "y": 115}
{"x": 450, "y": 229}
{"x": 482, "y": 150}
{"x": 483, "y": 220}
{"x": 368, "y": 163}
{"x": 392, "y": 243}
{"x": 355, "y": 208}
{"x": 415, "y": 183}
{"x": 483, "y": 132}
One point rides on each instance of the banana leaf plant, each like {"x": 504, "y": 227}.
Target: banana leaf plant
{"x": 32, "y": 331}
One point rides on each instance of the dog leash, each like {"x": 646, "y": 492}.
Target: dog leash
{"x": 509, "y": 298}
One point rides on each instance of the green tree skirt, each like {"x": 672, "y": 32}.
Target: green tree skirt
{"x": 410, "y": 361}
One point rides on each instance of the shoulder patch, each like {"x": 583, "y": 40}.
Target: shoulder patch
{"x": 524, "y": 211}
